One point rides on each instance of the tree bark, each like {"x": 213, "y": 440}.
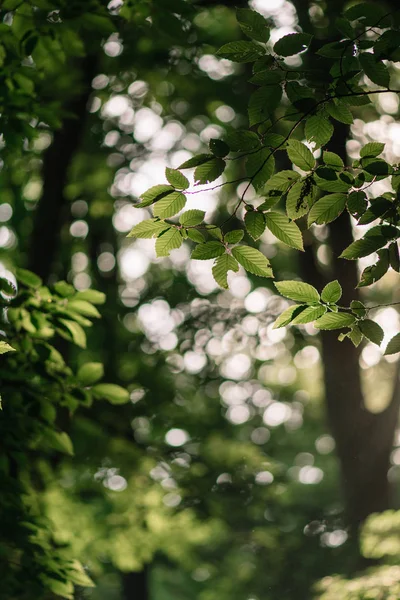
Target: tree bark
{"x": 135, "y": 585}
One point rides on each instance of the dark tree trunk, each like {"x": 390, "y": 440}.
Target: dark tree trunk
{"x": 135, "y": 585}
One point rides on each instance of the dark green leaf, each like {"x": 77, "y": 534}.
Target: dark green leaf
{"x": 253, "y": 24}
{"x": 241, "y": 51}
{"x": 372, "y": 331}
{"x": 294, "y": 43}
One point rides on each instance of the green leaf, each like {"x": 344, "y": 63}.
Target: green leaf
{"x": 299, "y": 199}
{"x": 344, "y": 26}
{"x": 195, "y": 236}
{"x": 148, "y": 229}
{"x": 92, "y": 296}
{"x": 280, "y": 182}
{"x": 8, "y": 288}
{"x": 375, "y": 272}
{"x": 64, "y": 289}
{"x": 192, "y": 217}
{"x": 89, "y": 373}
{"x": 76, "y": 333}
{"x": 83, "y": 307}
{"x": 355, "y": 335}
{"x": 208, "y": 250}
{"x": 332, "y": 292}
{"x": 284, "y": 229}
{"x": 298, "y": 291}
{"x": 327, "y": 209}
{"x": 219, "y": 148}
{"x": 252, "y": 260}
{"x": 153, "y": 194}
{"x": 234, "y": 237}
{"x": 195, "y": 161}
{"x": 372, "y": 331}
{"x": 394, "y": 257}
{"x": 294, "y": 43}
{"x": 334, "y": 320}
{"x": 332, "y": 160}
{"x": 242, "y": 141}
{"x": 214, "y": 231}
{"x": 300, "y": 155}
{"x": 374, "y": 69}
{"x": 255, "y": 223}
{"x": 169, "y": 205}
{"x": 111, "y": 392}
{"x": 311, "y": 313}
{"x": 4, "y": 347}
{"x": 209, "y": 171}
{"x": 79, "y": 576}
{"x": 267, "y": 77}
{"x": 59, "y": 441}
{"x": 372, "y": 149}
{"x": 357, "y": 203}
{"x": 318, "y": 129}
{"x": 259, "y": 167}
{"x": 222, "y": 265}
{"x": 241, "y": 51}
{"x": 393, "y": 346}
{"x": 176, "y": 179}
{"x": 340, "y": 112}
{"x": 363, "y": 247}
{"x": 28, "y": 278}
{"x": 169, "y": 240}
{"x": 253, "y": 24}
{"x": 263, "y": 102}
{"x": 358, "y": 308}
{"x": 288, "y": 315}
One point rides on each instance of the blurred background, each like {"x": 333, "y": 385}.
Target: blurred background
{"x": 221, "y": 479}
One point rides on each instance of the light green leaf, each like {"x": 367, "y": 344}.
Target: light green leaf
{"x": 375, "y": 69}
{"x": 222, "y": 265}
{"x": 192, "y": 217}
{"x": 332, "y": 160}
{"x": 372, "y": 149}
{"x": 255, "y": 223}
{"x": 82, "y": 307}
{"x": 209, "y": 171}
{"x": 76, "y": 333}
{"x": 176, "y": 179}
{"x": 259, "y": 167}
{"x": 284, "y": 229}
{"x": 169, "y": 240}
{"x": 298, "y": 291}
{"x": 196, "y": 236}
{"x": 318, "y": 129}
{"x": 298, "y": 201}
{"x": 340, "y": 112}
{"x": 280, "y": 182}
{"x": 111, "y": 392}
{"x": 28, "y": 278}
{"x": 208, "y": 250}
{"x": 79, "y": 576}
{"x": 252, "y": 260}
{"x": 311, "y": 313}
{"x": 59, "y": 441}
{"x": 288, "y": 315}
{"x": 355, "y": 335}
{"x": 214, "y": 231}
{"x": 294, "y": 43}
{"x": 241, "y": 51}
{"x": 327, "y": 209}
{"x": 332, "y": 292}
{"x": 363, "y": 247}
{"x": 393, "y": 346}
{"x": 4, "y": 347}
{"x": 153, "y": 194}
{"x": 300, "y": 155}
{"x": 335, "y": 320}
{"x": 234, "y": 237}
{"x": 92, "y": 296}
{"x": 169, "y": 205}
{"x": 148, "y": 229}
{"x": 253, "y": 24}
{"x": 372, "y": 331}
{"x": 89, "y": 373}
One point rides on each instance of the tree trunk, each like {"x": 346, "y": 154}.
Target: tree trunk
{"x": 135, "y": 585}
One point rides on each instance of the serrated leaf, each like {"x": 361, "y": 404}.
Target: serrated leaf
{"x": 332, "y": 160}
{"x": 394, "y": 256}
{"x": 234, "y": 237}
{"x": 357, "y": 203}
{"x": 214, "y": 231}
{"x": 259, "y": 167}
{"x": 4, "y": 347}
{"x": 267, "y": 77}
{"x": 374, "y": 69}
{"x": 241, "y": 51}
{"x": 311, "y": 313}
{"x": 252, "y": 260}
{"x": 89, "y": 373}
{"x": 208, "y": 250}
{"x": 148, "y": 229}
{"x": 195, "y": 161}
{"x": 294, "y": 43}
{"x": 281, "y": 182}
{"x": 298, "y": 201}
{"x": 372, "y": 331}
{"x": 8, "y": 287}
{"x": 253, "y": 24}
{"x": 263, "y": 103}
{"x": 153, "y": 194}
{"x": 209, "y": 171}
{"x": 363, "y": 247}
{"x": 355, "y": 335}
{"x": 393, "y": 346}
{"x": 344, "y": 26}
{"x": 219, "y": 148}
{"x": 340, "y": 112}
{"x": 300, "y": 155}
{"x": 114, "y": 394}
{"x": 288, "y": 315}
{"x": 195, "y": 236}
{"x": 242, "y": 141}
{"x": 167, "y": 241}
{"x": 284, "y": 229}
{"x": 327, "y": 209}
{"x": 222, "y": 265}
{"x": 169, "y": 205}
{"x": 298, "y": 291}
{"x": 176, "y": 179}
{"x": 335, "y": 320}
{"x": 358, "y": 308}
{"x": 372, "y": 149}
{"x": 318, "y": 129}
{"x": 192, "y": 217}
{"x": 255, "y": 223}
{"x": 332, "y": 292}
